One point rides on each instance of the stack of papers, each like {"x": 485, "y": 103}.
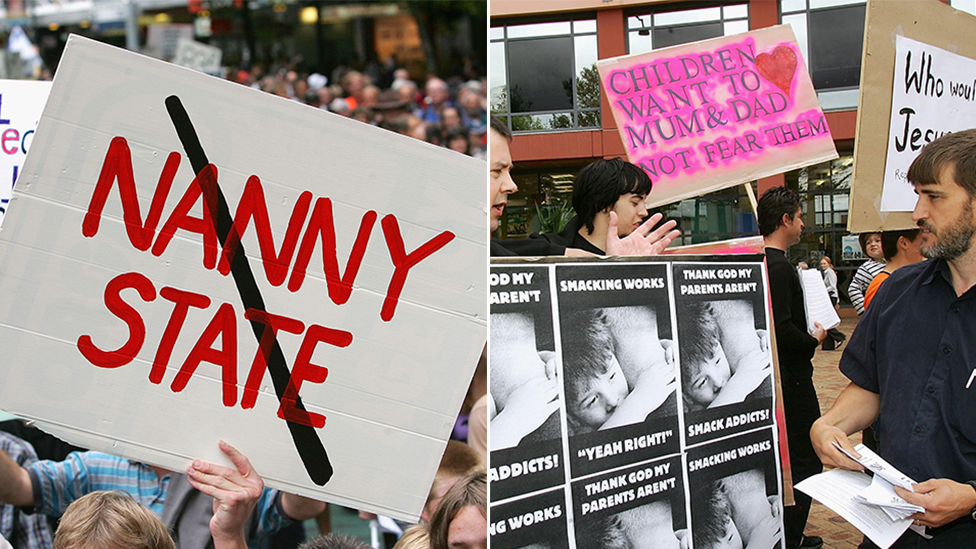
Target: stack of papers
{"x": 881, "y": 492}
{"x": 870, "y": 504}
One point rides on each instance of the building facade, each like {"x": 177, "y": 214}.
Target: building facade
{"x": 544, "y": 85}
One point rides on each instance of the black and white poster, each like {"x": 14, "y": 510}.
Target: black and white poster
{"x": 632, "y": 405}
{"x": 526, "y": 431}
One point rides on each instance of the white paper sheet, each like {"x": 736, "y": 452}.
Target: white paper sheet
{"x": 837, "y": 488}
{"x": 816, "y": 301}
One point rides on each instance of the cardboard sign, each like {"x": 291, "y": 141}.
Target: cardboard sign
{"x": 934, "y": 25}
{"x": 21, "y": 103}
{"x": 627, "y": 398}
{"x": 194, "y": 55}
{"x": 713, "y": 114}
{"x": 133, "y": 314}
{"x": 932, "y": 95}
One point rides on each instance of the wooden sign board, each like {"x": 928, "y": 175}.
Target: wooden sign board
{"x": 131, "y": 320}
{"x": 881, "y": 122}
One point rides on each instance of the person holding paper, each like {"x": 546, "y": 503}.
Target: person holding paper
{"x": 781, "y": 224}
{"x": 834, "y": 336}
{"x": 911, "y": 360}
{"x": 180, "y": 498}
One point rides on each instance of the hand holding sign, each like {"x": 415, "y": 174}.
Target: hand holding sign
{"x": 235, "y": 493}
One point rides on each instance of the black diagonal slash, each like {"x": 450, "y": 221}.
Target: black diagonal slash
{"x": 309, "y": 447}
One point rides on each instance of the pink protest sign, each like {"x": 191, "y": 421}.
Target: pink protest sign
{"x": 708, "y": 115}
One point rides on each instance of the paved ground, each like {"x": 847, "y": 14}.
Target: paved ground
{"x": 836, "y": 532}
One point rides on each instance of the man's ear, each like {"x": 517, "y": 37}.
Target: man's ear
{"x": 785, "y": 220}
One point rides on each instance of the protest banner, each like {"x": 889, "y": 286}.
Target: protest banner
{"x": 610, "y": 383}
{"x": 916, "y": 72}
{"x": 328, "y": 328}
{"x": 708, "y": 115}
{"x": 21, "y": 103}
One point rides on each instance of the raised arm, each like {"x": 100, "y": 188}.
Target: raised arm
{"x": 235, "y": 492}
{"x": 15, "y": 483}
{"x": 301, "y": 508}
{"x": 642, "y": 241}
{"x": 854, "y": 410}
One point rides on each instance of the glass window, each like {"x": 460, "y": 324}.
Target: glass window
{"x": 542, "y": 204}
{"x": 830, "y": 34}
{"x": 653, "y": 30}
{"x": 836, "y": 36}
{"x": 673, "y": 36}
{"x": 543, "y": 75}
{"x": 720, "y": 215}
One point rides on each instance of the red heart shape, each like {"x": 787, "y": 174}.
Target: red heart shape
{"x": 779, "y": 67}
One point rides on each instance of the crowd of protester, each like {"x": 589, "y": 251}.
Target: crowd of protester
{"x": 449, "y": 113}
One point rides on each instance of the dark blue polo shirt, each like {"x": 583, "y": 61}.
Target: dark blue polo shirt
{"x": 916, "y": 347}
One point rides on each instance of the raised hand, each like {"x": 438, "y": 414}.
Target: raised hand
{"x": 643, "y": 241}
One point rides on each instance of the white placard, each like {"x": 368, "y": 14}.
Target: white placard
{"x": 934, "y": 93}
{"x": 21, "y": 103}
{"x": 197, "y": 56}
{"x": 124, "y": 332}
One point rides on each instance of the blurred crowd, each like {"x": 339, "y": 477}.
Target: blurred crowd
{"x": 449, "y": 113}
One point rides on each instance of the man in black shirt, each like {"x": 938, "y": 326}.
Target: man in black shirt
{"x": 780, "y": 224}
{"x": 911, "y": 359}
